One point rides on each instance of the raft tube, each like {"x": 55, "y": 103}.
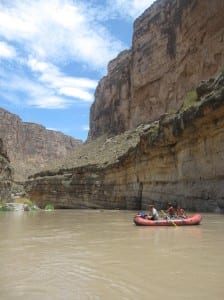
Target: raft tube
{"x": 194, "y": 219}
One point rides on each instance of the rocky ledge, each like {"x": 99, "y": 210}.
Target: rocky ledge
{"x": 179, "y": 157}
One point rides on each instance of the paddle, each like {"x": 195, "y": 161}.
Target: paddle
{"x": 174, "y": 224}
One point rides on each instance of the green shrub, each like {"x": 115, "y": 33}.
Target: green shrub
{"x": 190, "y": 100}
{"x": 49, "y": 207}
{"x": 5, "y": 208}
{"x": 2, "y": 205}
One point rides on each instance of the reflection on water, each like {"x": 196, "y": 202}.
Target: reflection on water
{"x": 90, "y": 254}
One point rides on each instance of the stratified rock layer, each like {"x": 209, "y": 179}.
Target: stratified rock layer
{"x": 168, "y": 131}
{"x": 178, "y": 158}
{"x": 30, "y": 146}
{"x": 176, "y": 44}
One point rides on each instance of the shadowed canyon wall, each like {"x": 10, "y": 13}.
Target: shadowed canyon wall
{"x": 30, "y": 146}
{"x": 5, "y": 175}
{"x": 176, "y": 44}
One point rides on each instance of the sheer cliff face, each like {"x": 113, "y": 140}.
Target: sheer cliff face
{"x": 176, "y": 44}
{"x": 172, "y": 81}
{"x": 30, "y": 146}
{"x": 5, "y": 174}
{"x": 179, "y": 158}
{"x": 110, "y": 112}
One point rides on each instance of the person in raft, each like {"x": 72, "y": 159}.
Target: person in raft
{"x": 181, "y": 213}
{"x": 153, "y": 213}
{"x": 171, "y": 212}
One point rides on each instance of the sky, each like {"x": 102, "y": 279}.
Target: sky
{"x": 53, "y": 54}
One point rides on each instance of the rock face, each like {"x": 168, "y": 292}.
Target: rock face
{"x": 5, "y": 175}
{"x": 176, "y": 44}
{"x": 110, "y": 112}
{"x": 30, "y": 146}
{"x": 178, "y": 158}
{"x": 163, "y": 104}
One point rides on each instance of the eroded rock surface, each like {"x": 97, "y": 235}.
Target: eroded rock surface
{"x": 176, "y": 44}
{"x": 178, "y": 158}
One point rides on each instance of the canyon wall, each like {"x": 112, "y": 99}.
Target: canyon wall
{"x": 179, "y": 158}
{"x": 176, "y": 44}
{"x": 30, "y": 146}
{"x": 157, "y": 122}
{"x": 6, "y": 174}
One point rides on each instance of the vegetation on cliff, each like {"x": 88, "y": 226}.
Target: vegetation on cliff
{"x": 105, "y": 151}
{"x": 102, "y": 151}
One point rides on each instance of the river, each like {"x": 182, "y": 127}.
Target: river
{"x": 102, "y": 255}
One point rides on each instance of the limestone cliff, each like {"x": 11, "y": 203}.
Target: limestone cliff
{"x": 176, "y": 44}
{"x": 157, "y": 122}
{"x": 30, "y": 146}
{"x": 5, "y": 175}
{"x": 178, "y": 158}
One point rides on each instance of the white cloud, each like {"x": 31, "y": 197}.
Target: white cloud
{"x": 76, "y": 93}
{"x": 46, "y": 88}
{"x": 13, "y": 87}
{"x": 51, "y": 77}
{"x": 85, "y": 128}
{"x": 58, "y": 30}
{"x": 49, "y": 102}
{"x": 43, "y": 35}
{"x": 39, "y": 66}
{"x": 7, "y": 51}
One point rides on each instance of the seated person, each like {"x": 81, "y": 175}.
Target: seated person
{"x": 181, "y": 213}
{"x": 171, "y": 213}
{"x": 153, "y": 213}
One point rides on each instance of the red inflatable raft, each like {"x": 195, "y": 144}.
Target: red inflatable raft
{"x": 190, "y": 220}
